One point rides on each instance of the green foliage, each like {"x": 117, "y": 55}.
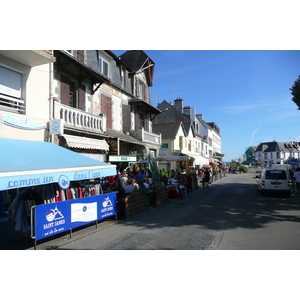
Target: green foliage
{"x": 295, "y": 91}
{"x": 243, "y": 168}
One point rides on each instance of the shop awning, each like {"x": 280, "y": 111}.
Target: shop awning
{"x": 29, "y": 163}
{"x": 171, "y": 158}
{"x": 73, "y": 141}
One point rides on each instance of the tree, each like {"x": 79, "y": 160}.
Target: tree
{"x": 295, "y": 91}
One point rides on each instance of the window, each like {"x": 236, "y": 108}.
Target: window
{"x": 10, "y": 91}
{"x": 123, "y": 72}
{"x": 103, "y": 65}
{"x": 141, "y": 90}
{"x": 71, "y": 93}
{"x": 276, "y": 174}
{"x": 142, "y": 120}
{"x": 277, "y": 155}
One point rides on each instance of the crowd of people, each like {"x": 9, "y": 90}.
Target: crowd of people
{"x": 178, "y": 182}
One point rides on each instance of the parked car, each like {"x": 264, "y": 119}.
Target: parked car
{"x": 274, "y": 180}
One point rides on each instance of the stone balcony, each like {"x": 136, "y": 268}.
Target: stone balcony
{"x": 146, "y": 136}
{"x": 80, "y": 120}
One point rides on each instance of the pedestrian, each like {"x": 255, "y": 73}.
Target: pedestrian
{"x": 181, "y": 184}
{"x": 206, "y": 178}
{"x": 297, "y": 180}
{"x": 148, "y": 173}
{"x": 139, "y": 176}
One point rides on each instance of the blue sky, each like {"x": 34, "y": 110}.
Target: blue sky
{"x": 246, "y": 93}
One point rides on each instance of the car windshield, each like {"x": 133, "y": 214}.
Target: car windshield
{"x": 276, "y": 174}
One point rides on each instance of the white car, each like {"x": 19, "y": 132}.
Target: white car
{"x": 274, "y": 180}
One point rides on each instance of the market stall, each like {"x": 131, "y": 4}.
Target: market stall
{"x": 37, "y": 173}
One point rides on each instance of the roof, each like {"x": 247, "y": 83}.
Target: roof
{"x": 123, "y": 137}
{"x": 29, "y": 163}
{"x": 137, "y": 60}
{"x": 167, "y": 130}
{"x": 272, "y": 147}
{"x": 134, "y": 59}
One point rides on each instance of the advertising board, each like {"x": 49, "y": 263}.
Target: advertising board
{"x": 54, "y": 218}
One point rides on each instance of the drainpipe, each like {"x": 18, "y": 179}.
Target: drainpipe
{"x": 50, "y": 139}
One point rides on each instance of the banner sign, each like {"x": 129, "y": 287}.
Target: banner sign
{"x": 62, "y": 178}
{"x": 54, "y": 218}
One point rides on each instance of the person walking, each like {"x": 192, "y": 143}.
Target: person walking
{"x": 181, "y": 184}
{"x": 297, "y": 180}
{"x": 206, "y": 178}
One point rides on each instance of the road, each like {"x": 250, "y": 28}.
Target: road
{"x": 229, "y": 215}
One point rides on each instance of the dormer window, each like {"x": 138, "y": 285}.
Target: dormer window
{"x": 104, "y": 65}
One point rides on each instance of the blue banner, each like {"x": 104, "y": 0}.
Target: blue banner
{"x": 54, "y": 218}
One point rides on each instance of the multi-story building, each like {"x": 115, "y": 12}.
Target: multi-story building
{"x": 24, "y": 94}
{"x": 274, "y": 152}
{"x": 186, "y": 134}
{"x": 103, "y": 101}
{"x": 249, "y": 156}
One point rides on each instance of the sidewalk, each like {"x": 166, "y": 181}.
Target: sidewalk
{"x": 13, "y": 240}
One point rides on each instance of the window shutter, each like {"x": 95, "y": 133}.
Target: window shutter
{"x": 126, "y": 118}
{"x": 147, "y": 123}
{"x": 136, "y": 120}
{"x": 81, "y": 97}
{"x": 106, "y": 108}
{"x": 137, "y": 92}
{"x": 10, "y": 82}
{"x": 146, "y": 93}
{"x": 64, "y": 90}
{"x": 80, "y": 55}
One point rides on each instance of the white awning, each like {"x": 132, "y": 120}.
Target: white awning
{"x": 171, "y": 158}
{"x": 85, "y": 143}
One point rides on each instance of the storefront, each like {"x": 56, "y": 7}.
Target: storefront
{"x": 47, "y": 173}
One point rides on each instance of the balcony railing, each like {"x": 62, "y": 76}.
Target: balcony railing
{"x": 12, "y": 104}
{"x": 146, "y": 136}
{"x": 76, "y": 118}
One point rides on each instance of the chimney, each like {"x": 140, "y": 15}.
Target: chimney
{"x": 199, "y": 116}
{"x": 190, "y": 112}
{"x": 179, "y": 105}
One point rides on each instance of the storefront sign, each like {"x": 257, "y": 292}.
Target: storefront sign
{"x": 164, "y": 150}
{"x": 121, "y": 158}
{"x": 63, "y": 179}
{"x": 21, "y": 123}
{"x": 54, "y": 218}
{"x": 56, "y": 126}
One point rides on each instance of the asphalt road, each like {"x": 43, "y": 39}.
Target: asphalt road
{"x": 229, "y": 215}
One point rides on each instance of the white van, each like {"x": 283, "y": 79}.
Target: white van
{"x": 274, "y": 180}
